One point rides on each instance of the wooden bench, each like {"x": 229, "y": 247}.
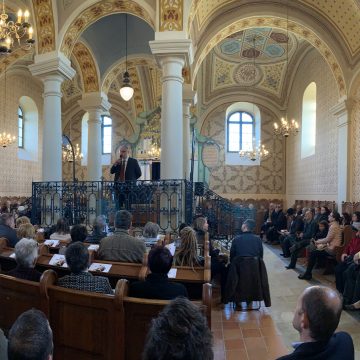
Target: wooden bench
{"x": 138, "y": 314}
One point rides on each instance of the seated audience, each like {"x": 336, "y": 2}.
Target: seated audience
{"x": 324, "y": 247}
{"x": 246, "y": 244}
{"x": 99, "y": 230}
{"x": 26, "y": 230}
{"x": 180, "y": 332}
{"x": 77, "y": 258}
{"x": 346, "y": 219}
{"x": 322, "y": 230}
{"x": 278, "y": 224}
{"x": 120, "y": 246}
{"x": 177, "y": 241}
{"x": 78, "y": 233}
{"x": 317, "y": 214}
{"x": 269, "y": 218}
{"x": 3, "y": 346}
{"x": 316, "y": 318}
{"x": 346, "y": 260}
{"x": 302, "y": 240}
{"x": 187, "y": 253}
{"x": 351, "y": 284}
{"x": 22, "y": 220}
{"x": 7, "y": 229}
{"x": 30, "y": 337}
{"x": 201, "y": 226}
{"x": 325, "y": 212}
{"x": 157, "y": 284}
{"x": 150, "y": 233}
{"x": 62, "y": 231}
{"x": 26, "y": 254}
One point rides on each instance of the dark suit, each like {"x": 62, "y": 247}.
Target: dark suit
{"x": 157, "y": 286}
{"x": 25, "y": 273}
{"x": 340, "y": 346}
{"x": 10, "y": 234}
{"x": 246, "y": 244}
{"x": 132, "y": 170}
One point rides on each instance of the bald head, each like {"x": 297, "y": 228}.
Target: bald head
{"x": 124, "y": 152}
{"x": 319, "y": 309}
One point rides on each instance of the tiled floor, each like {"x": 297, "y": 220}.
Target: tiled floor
{"x": 268, "y": 333}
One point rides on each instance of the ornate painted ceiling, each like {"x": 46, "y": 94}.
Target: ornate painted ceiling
{"x": 235, "y": 62}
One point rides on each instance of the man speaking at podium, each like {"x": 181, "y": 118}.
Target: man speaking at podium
{"x": 125, "y": 169}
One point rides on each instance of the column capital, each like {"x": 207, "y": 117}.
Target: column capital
{"x": 95, "y": 101}
{"x": 53, "y": 64}
{"x": 343, "y": 107}
{"x": 176, "y": 48}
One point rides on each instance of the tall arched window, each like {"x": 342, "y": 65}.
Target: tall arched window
{"x": 308, "y": 123}
{"x": 20, "y": 128}
{"x": 240, "y": 129}
{"x": 106, "y": 130}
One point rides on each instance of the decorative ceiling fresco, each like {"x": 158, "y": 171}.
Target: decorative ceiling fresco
{"x": 236, "y": 62}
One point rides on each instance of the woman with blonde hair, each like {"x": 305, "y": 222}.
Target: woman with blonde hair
{"x": 186, "y": 254}
{"x": 26, "y": 230}
{"x": 22, "y": 220}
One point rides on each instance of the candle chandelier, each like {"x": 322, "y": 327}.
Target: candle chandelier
{"x": 257, "y": 153}
{"x": 11, "y": 31}
{"x": 70, "y": 154}
{"x": 286, "y": 127}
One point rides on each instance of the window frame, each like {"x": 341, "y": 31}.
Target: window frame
{"x": 241, "y": 122}
{"x": 102, "y": 133}
{"x": 22, "y": 117}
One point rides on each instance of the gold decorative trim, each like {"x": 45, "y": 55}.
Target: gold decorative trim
{"x": 171, "y": 15}
{"x": 274, "y": 22}
{"x": 10, "y": 59}
{"x": 44, "y": 25}
{"x": 94, "y": 13}
{"x": 88, "y": 67}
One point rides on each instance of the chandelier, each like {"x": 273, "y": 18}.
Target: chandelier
{"x": 257, "y": 152}
{"x": 6, "y": 139}
{"x": 14, "y": 30}
{"x": 286, "y": 127}
{"x": 69, "y": 154}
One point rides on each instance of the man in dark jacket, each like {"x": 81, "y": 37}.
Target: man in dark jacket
{"x": 316, "y": 318}
{"x": 7, "y": 231}
{"x": 247, "y": 244}
{"x": 279, "y": 223}
{"x": 288, "y": 238}
{"x": 157, "y": 284}
{"x": 125, "y": 168}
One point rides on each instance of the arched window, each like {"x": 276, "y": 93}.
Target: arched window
{"x": 106, "y": 130}
{"x": 308, "y": 123}
{"x": 240, "y": 129}
{"x": 20, "y": 128}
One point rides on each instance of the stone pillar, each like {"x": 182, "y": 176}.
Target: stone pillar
{"x": 172, "y": 55}
{"x": 187, "y": 137}
{"x": 52, "y": 69}
{"x": 342, "y": 112}
{"x": 96, "y": 104}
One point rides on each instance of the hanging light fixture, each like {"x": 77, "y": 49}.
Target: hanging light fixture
{"x": 286, "y": 127}
{"x": 15, "y": 30}
{"x": 126, "y": 90}
{"x": 257, "y": 152}
{"x": 6, "y": 138}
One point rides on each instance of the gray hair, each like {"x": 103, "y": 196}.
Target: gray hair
{"x": 100, "y": 222}
{"x": 26, "y": 252}
{"x": 151, "y": 230}
{"x": 123, "y": 220}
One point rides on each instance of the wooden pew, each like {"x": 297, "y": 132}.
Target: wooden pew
{"x": 138, "y": 314}
{"x": 19, "y": 295}
{"x": 85, "y": 325}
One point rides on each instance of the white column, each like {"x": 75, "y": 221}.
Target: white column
{"x": 342, "y": 112}
{"x": 187, "y": 137}
{"x": 52, "y": 69}
{"x": 172, "y": 118}
{"x": 95, "y": 104}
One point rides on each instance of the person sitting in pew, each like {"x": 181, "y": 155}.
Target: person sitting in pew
{"x": 187, "y": 253}
{"x": 78, "y": 233}
{"x": 150, "y": 233}
{"x": 180, "y": 332}
{"x": 99, "y": 230}
{"x": 26, "y": 230}
{"x": 26, "y": 254}
{"x": 30, "y": 337}
{"x": 21, "y": 220}
{"x": 121, "y": 246}
{"x": 62, "y": 231}
{"x": 7, "y": 229}
{"x": 77, "y": 258}
{"x": 157, "y": 284}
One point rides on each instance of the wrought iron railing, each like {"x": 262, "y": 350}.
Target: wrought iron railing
{"x": 166, "y": 202}
{"x": 224, "y": 217}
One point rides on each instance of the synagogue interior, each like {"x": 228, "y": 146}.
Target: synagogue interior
{"x": 219, "y": 134}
